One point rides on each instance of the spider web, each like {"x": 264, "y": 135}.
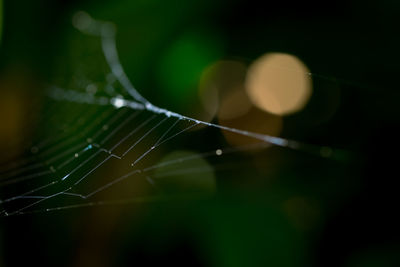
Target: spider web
{"x": 110, "y": 147}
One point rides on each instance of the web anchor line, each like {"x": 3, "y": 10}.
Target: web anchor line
{"x": 107, "y": 33}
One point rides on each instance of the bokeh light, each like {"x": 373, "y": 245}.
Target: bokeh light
{"x": 12, "y": 128}
{"x": 278, "y": 83}
{"x": 235, "y": 104}
{"x": 255, "y": 121}
{"x": 15, "y": 101}
{"x": 221, "y": 89}
{"x": 196, "y": 195}
{"x": 182, "y": 64}
{"x": 222, "y": 93}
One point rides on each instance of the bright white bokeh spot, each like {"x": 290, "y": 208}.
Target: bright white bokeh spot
{"x": 278, "y": 83}
{"x": 118, "y": 102}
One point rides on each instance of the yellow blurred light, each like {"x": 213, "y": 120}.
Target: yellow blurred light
{"x": 221, "y": 89}
{"x": 11, "y": 104}
{"x": 17, "y": 123}
{"x": 254, "y": 121}
{"x": 278, "y": 83}
{"x": 235, "y": 104}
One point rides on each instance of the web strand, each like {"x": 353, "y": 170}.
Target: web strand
{"x": 60, "y": 151}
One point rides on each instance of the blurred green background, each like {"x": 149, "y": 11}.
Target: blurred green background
{"x": 285, "y": 207}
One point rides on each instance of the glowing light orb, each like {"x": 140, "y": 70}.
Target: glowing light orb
{"x": 221, "y": 89}
{"x": 118, "y": 102}
{"x": 278, "y": 83}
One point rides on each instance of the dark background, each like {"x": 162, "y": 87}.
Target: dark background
{"x": 353, "y": 45}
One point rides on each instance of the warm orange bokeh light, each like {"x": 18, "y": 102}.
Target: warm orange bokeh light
{"x": 221, "y": 89}
{"x": 278, "y": 83}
